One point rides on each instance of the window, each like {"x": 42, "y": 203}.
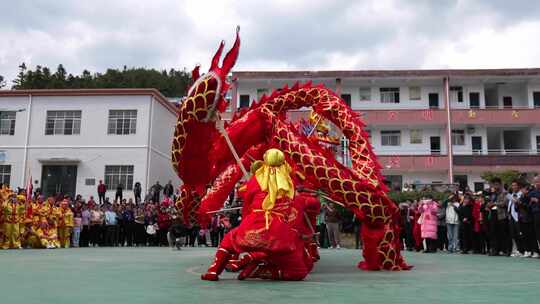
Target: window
{"x": 122, "y": 122}
{"x": 536, "y": 99}
{"x": 416, "y": 136}
{"x": 456, "y": 93}
{"x": 115, "y": 175}
{"x": 347, "y": 99}
{"x": 458, "y": 137}
{"x": 7, "y": 123}
{"x": 415, "y": 93}
{"x": 5, "y": 174}
{"x": 63, "y": 123}
{"x": 365, "y": 94}
{"x": 537, "y": 144}
{"x": 391, "y": 138}
{"x": 389, "y": 95}
{"x": 90, "y": 182}
{"x": 478, "y": 186}
{"x": 244, "y": 101}
{"x": 261, "y": 92}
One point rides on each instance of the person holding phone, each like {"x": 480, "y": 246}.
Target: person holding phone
{"x": 534, "y": 195}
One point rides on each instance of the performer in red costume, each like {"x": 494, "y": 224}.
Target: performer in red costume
{"x": 308, "y": 208}
{"x": 302, "y": 219}
{"x": 297, "y": 264}
{"x": 264, "y": 230}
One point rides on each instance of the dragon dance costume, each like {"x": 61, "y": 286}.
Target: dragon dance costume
{"x": 208, "y": 151}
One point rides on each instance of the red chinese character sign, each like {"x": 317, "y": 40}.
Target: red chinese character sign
{"x": 427, "y": 114}
{"x": 392, "y": 115}
{"x": 429, "y": 162}
{"x": 395, "y": 162}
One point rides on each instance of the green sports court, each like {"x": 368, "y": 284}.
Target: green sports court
{"x": 162, "y": 275}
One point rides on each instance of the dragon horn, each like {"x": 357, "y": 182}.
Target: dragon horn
{"x": 217, "y": 56}
{"x": 195, "y": 73}
{"x": 232, "y": 55}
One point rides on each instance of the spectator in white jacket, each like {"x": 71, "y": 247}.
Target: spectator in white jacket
{"x": 452, "y": 223}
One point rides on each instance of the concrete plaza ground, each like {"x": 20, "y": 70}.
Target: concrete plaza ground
{"x": 161, "y": 275}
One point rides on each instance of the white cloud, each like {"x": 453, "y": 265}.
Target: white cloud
{"x": 515, "y": 46}
{"x": 279, "y": 34}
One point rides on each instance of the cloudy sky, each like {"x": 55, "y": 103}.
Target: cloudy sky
{"x": 276, "y": 34}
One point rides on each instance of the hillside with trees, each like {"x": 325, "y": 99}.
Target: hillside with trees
{"x": 171, "y": 83}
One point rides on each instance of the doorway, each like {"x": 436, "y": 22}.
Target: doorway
{"x": 59, "y": 179}
{"x": 474, "y": 100}
{"x": 462, "y": 180}
{"x": 433, "y": 100}
{"x": 507, "y": 102}
{"x": 435, "y": 144}
{"x": 476, "y": 144}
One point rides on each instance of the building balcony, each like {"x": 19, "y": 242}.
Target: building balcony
{"x": 418, "y": 117}
{"x": 493, "y": 116}
{"x": 521, "y": 160}
{"x": 403, "y": 117}
{"x": 404, "y": 163}
{"x": 496, "y": 116}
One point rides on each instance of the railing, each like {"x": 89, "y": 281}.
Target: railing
{"x": 498, "y": 152}
{"x": 407, "y": 151}
{"x": 524, "y": 160}
{"x": 503, "y": 107}
{"x": 424, "y": 152}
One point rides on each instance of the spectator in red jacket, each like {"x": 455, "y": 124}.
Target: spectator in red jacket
{"x": 101, "y": 190}
{"x": 164, "y": 222}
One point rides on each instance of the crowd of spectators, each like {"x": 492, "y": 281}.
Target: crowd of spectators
{"x": 496, "y": 221}
{"x": 119, "y": 222}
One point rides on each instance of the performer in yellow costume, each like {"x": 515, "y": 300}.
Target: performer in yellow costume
{"x": 25, "y": 221}
{"x": 65, "y": 224}
{"x": 4, "y": 193}
{"x": 52, "y": 215}
{"x": 38, "y": 236}
{"x": 13, "y": 211}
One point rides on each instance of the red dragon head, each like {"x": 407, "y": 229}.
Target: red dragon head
{"x": 208, "y": 91}
{"x": 195, "y": 129}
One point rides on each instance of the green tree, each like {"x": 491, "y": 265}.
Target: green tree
{"x": 172, "y": 83}
{"x": 506, "y": 176}
{"x": 19, "y": 82}
{"x": 2, "y": 82}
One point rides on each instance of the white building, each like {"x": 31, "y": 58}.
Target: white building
{"x": 491, "y": 124}
{"x": 68, "y": 140}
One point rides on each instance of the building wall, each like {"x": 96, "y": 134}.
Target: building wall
{"x": 93, "y": 148}
{"x": 467, "y": 89}
{"x": 94, "y": 119}
{"x": 517, "y": 91}
{"x": 436, "y": 177}
{"x": 535, "y": 134}
{"x": 163, "y": 124}
{"x": 14, "y": 104}
{"x": 532, "y": 87}
{"x": 14, "y": 158}
{"x": 406, "y": 148}
{"x": 488, "y": 124}
{"x": 92, "y": 162}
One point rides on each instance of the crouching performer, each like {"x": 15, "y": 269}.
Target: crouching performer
{"x": 272, "y": 246}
